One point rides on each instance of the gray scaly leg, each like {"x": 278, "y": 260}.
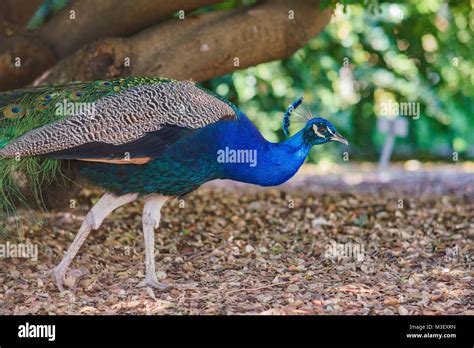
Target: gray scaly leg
{"x": 94, "y": 218}
{"x": 151, "y": 220}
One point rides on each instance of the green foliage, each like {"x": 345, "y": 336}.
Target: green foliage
{"x": 370, "y": 4}
{"x": 401, "y": 51}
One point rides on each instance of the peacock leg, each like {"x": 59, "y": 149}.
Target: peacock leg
{"x": 151, "y": 220}
{"x": 108, "y": 203}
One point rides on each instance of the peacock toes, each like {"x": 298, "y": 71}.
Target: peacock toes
{"x": 107, "y": 204}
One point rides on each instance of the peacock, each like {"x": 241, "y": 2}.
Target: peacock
{"x": 141, "y": 137}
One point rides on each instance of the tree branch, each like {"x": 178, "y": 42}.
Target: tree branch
{"x": 199, "y": 47}
{"x": 62, "y": 35}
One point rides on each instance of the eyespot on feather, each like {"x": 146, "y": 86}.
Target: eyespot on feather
{"x": 45, "y": 98}
{"x": 14, "y": 111}
{"x": 75, "y": 94}
{"x": 104, "y": 86}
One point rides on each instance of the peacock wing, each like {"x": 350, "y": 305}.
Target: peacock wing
{"x": 23, "y": 110}
{"x": 125, "y": 118}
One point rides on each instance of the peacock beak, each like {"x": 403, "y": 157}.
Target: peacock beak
{"x": 339, "y": 138}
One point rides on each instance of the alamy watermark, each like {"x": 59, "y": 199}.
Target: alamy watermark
{"x": 228, "y": 155}
{"x": 68, "y": 108}
{"x": 392, "y": 108}
{"x": 345, "y": 251}
{"x": 23, "y": 250}
{"x": 28, "y": 330}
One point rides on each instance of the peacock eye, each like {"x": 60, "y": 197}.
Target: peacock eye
{"x": 319, "y": 131}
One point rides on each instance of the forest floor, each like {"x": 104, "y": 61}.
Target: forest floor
{"x": 352, "y": 242}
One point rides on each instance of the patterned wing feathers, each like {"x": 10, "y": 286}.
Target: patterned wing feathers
{"x": 124, "y": 117}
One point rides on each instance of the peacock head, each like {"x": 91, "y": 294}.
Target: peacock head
{"x": 316, "y": 131}
{"x": 320, "y": 131}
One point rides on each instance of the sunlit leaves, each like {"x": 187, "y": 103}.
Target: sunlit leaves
{"x": 416, "y": 51}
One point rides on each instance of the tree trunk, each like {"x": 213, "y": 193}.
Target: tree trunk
{"x": 78, "y": 24}
{"x": 199, "y": 47}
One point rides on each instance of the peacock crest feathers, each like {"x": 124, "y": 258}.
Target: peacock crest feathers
{"x": 301, "y": 115}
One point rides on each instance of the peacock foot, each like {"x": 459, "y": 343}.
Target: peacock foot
{"x": 57, "y": 273}
{"x": 152, "y": 282}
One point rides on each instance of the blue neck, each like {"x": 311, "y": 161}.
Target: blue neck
{"x": 266, "y": 163}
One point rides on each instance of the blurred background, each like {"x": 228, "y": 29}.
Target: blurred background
{"x": 417, "y": 51}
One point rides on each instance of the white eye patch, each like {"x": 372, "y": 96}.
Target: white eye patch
{"x": 330, "y": 131}
{"x": 315, "y": 129}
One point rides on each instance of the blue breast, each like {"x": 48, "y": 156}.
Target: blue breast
{"x": 259, "y": 161}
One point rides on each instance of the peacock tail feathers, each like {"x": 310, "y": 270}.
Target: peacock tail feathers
{"x": 45, "y": 11}
{"x": 26, "y": 109}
